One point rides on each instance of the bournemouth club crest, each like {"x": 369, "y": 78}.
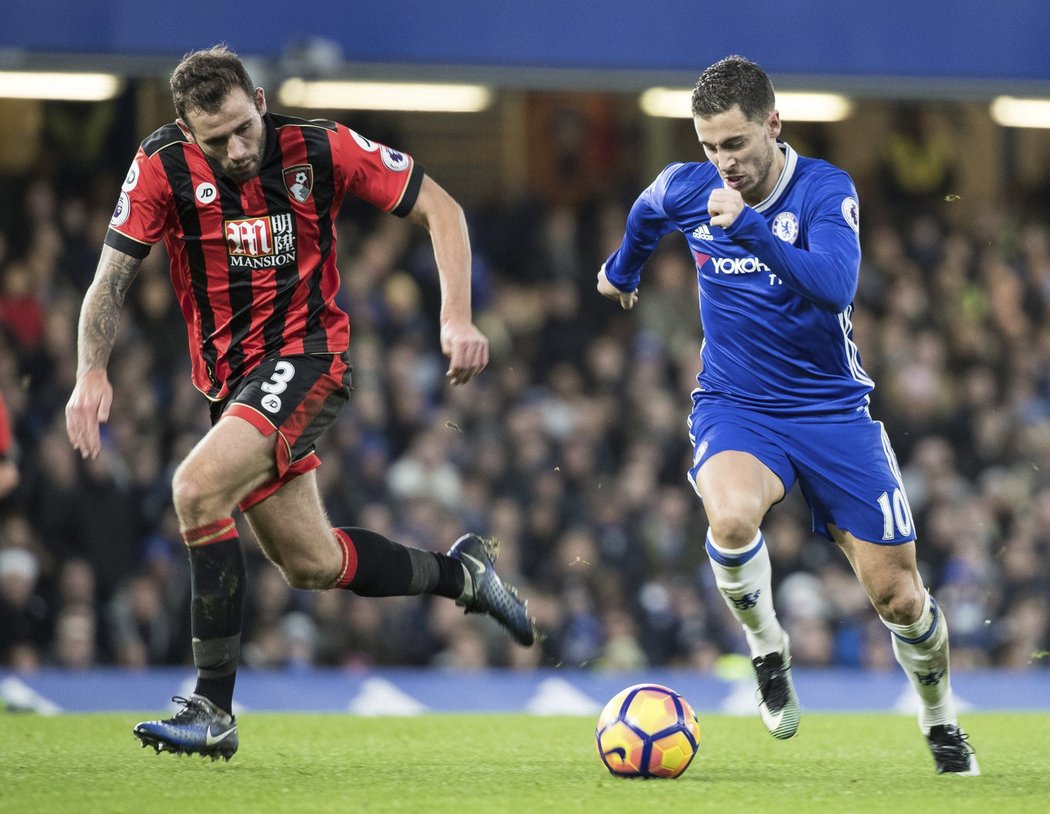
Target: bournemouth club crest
{"x": 299, "y": 180}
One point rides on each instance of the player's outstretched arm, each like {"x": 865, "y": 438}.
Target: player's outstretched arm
{"x": 92, "y": 396}
{"x": 465, "y": 346}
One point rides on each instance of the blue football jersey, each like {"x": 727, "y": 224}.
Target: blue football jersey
{"x": 776, "y": 288}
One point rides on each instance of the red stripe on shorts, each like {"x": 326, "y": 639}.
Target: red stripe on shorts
{"x": 312, "y": 404}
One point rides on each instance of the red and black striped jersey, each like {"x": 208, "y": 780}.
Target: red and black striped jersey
{"x": 5, "y": 431}
{"x": 254, "y": 264}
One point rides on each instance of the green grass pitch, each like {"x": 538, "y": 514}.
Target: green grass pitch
{"x": 515, "y": 763}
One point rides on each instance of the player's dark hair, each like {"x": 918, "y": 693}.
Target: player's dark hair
{"x": 203, "y": 79}
{"x": 732, "y": 81}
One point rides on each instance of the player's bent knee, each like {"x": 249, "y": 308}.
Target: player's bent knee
{"x": 195, "y": 502}
{"x": 899, "y": 607}
{"x": 186, "y": 494}
{"x": 307, "y": 575}
{"x": 732, "y": 530}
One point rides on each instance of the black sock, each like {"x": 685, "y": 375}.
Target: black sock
{"x": 217, "y": 584}
{"x": 386, "y": 568}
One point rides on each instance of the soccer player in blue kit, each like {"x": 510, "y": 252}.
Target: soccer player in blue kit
{"x": 782, "y": 396}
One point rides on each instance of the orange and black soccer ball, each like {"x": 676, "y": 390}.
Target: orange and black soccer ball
{"x": 647, "y": 730}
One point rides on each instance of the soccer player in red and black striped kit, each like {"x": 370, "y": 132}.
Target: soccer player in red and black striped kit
{"x": 8, "y": 469}
{"x": 246, "y": 203}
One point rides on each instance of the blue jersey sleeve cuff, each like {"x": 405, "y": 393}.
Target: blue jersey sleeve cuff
{"x": 626, "y": 286}
{"x": 745, "y": 223}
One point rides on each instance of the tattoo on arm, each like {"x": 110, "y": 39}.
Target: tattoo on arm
{"x": 100, "y": 313}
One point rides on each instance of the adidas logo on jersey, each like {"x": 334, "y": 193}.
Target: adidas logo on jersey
{"x": 702, "y": 232}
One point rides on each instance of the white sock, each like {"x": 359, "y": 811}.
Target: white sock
{"x": 921, "y": 649}
{"x": 744, "y": 577}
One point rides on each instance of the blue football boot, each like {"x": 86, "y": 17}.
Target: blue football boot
{"x": 490, "y": 594}
{"x": 199, "y": 728}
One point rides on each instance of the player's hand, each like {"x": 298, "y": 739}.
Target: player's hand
{"x": 88, "y": 407}
{"x": 725, "y": 206}
{"x": 609, "y": 291}
{"x": 8, "y": 477}
{"x": 467, "y": 350}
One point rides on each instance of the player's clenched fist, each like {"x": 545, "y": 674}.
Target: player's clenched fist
{"x": 467, "y": 350}
{"x": 87, "y": 408}
{"x": 627, "y": 299}
{"x": 724, "y": 206}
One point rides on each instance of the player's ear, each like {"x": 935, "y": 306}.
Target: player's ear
{"x": 773, "y": 124}
{"x": 260, "y": 101}
{"x": 185, "y": 128}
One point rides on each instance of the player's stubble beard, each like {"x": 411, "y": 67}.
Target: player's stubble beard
{"x": 246, "y": 171}
{"x": 756, "y": 192}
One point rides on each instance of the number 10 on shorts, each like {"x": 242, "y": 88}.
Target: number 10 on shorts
{"x": 895, "y": 512}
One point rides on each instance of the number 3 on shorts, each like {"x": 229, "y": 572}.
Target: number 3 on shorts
{"x": 282, "y": 374}
{"x": 895, "y": 510}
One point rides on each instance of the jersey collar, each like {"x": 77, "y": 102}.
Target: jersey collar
{"x": 786, "y": 174}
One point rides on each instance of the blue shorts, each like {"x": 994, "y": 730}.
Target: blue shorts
{"x": 845, "y": 466}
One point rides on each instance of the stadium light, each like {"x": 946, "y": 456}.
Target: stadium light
{"x": 1009, "y": 111}
{"x": 74, "y": 87}
{"x": 336, "y": 95}
{"x": 794, "y": 106}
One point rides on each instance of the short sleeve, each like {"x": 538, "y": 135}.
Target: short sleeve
{"x": 142, "y": 208}
{"x": 388, "y": 179}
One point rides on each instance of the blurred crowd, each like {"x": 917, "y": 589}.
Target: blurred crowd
{"x": 571, "y": 449}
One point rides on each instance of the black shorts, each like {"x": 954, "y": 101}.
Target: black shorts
{"x": 297, "y": 397}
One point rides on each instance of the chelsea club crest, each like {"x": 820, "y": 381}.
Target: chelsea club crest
{"x": 785, "y": 226}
